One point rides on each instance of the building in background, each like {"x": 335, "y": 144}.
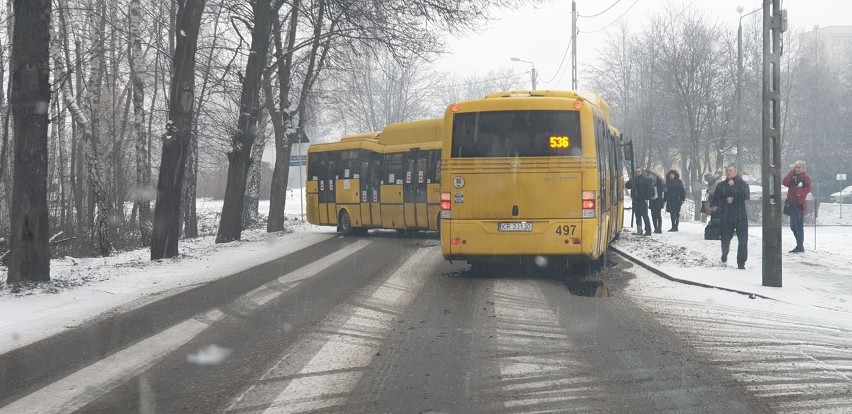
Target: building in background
{"x": 834, "y": 44}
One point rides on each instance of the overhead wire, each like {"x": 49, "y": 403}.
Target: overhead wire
{"x": 613, "y": 22}
{"x": 605, "y": 10}
{"x": 564, "y": 55}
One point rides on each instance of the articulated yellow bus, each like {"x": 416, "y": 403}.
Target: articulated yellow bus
{"x": 388, "y": 179}
{"x": 530, "y": 174}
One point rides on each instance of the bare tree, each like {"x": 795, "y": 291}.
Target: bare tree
{"x": 205, "y": 92}
{"x": 29, "y": 257}
{"x": 281, "y": 118}
{"x": 165, "y": 236}
{"x": 143, "y": 192}
{"x": 239, "y": 158}
{"x": 373, "y": 89}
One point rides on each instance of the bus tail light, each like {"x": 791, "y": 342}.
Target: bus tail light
{"x": 446, "y": 205}
{"x": 589, "y": 204}
{"x": 445, "y": 201}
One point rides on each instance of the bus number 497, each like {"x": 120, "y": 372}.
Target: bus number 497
{"x": 566, "y": 229}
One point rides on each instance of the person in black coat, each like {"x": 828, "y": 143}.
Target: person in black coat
{"x": 641, "y": 191}
{"x": 656, "y": 204}
{"x": 675, "y": 195}
{"x": 729, "y": 200}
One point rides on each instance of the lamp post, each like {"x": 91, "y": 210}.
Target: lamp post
{"x": 514, "y": 59}
{"x": 740, "y": 82}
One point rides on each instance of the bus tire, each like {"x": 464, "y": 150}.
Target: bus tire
{"x": 344, "y": 223}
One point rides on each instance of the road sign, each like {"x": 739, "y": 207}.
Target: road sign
{"x": 298, "y": 160}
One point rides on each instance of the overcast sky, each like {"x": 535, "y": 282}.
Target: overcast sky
{"x": 541, "y": 34}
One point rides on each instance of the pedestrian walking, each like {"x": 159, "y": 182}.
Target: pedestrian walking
{"x": 675, "y": 196}
{"x": 798, "y": 185}
{"x": 641, "y": 190}
{"x": 657, "y": 202}
{"x": 729, "y": 200}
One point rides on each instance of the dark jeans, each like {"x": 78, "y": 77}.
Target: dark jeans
{"x": 640, "y": 209}
{"x": 741, "y": 227}
{"x": 657, "y": 218}
{"x": 797, "y": 224}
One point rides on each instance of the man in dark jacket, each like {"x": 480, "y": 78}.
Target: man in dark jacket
{"x": 798, "y": 185}
{"x": 675, "y": 196}
{"x": 641, "y": 191}
{"x": 729, "y": 200}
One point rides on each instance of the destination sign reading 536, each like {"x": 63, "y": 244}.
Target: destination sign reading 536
{"x": 559, "y": 142}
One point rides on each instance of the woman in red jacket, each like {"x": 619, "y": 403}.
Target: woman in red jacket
{"x": 798, "y": 185}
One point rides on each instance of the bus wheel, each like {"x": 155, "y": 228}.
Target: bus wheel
{"x": 344, "y": 223}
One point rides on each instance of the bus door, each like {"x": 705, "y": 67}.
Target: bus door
{"x": 326, "y": 189}
{"x": 414, "y": 189}
{"x": 371, "y": 170}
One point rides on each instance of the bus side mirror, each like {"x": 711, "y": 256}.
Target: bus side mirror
{"x": 628, "y": 151}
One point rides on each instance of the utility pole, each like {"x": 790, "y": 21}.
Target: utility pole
{"x": 532, "y": 72}
{"x": 774, "y": 22}
{"x": 574, "y": 45}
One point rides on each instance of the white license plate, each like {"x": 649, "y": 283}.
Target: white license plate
{"x": 514, "y": 226}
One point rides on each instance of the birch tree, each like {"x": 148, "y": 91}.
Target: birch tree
{"x": 143, "y": 168}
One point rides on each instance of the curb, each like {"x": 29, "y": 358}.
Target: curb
{"x": 665, "y": 275}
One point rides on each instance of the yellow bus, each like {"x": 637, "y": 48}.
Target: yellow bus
{"x": 531, "y": 175}
{"x": 377, "y": 180}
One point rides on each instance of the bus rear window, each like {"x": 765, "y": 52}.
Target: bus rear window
{"x": 516, "y": 134}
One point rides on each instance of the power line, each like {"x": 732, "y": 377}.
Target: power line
{"x": 606, "y": 10}
{"x": 614, "y": 21}
{"x": 567, "y": 48}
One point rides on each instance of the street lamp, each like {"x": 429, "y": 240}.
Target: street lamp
{"x": 740, "y": 82}
{"x": 514, "y": 59}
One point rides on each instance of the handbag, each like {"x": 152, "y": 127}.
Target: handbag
{"x": 786, "y": 210}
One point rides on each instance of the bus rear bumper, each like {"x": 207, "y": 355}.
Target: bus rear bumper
{"x": 481, "y": 240}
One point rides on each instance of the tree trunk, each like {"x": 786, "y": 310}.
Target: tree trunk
{"x": 316, "y": 61}
{"x": 92, "y": 127}
{"x": 164, "y": 241}
{"x": 251, "y": 213}
{"x": 143, "y": 193}
{"x": 190, "y": 211}
{"x": 190, "y": 219}
{"x": 281, "y": 120}
{"x": 29, "y": 258}
{"x": 230, "y": 226}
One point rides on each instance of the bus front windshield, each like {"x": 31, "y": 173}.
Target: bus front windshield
{"x": 516, "y": 134}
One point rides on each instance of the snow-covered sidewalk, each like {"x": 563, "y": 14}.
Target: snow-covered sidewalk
{"x": 821, "y": 277}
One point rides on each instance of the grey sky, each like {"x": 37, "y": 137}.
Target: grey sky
{"x": 541, "y": 34}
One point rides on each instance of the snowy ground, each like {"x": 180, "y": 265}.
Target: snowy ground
{"x": 84, "y": 289}
{"x": 820, "y": 277}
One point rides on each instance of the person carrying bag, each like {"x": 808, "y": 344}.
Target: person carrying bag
{"x": 798, "y": 185}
